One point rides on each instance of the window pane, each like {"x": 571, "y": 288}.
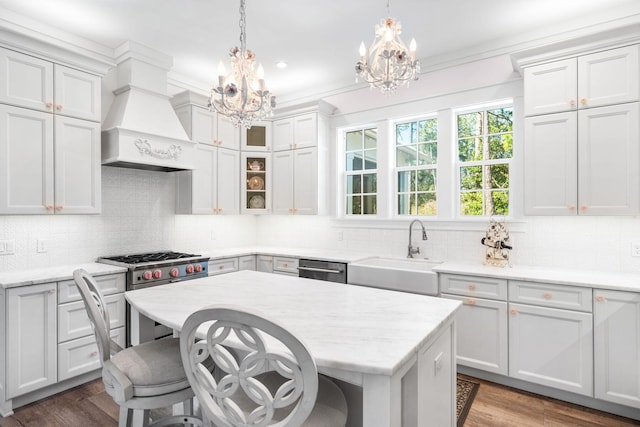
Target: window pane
{"x": 404, "y": 204}
{"x": 369, "y": 183}
{"x": 428, "y": 153}
{"x": 406, "y": 155}
{"x": 354, "y": 184}
{"x": 354, "y": 161}
{"x": 405, "y": 181}
{"x": 428, "y": 130}
{"x": 500, "y": 120}
{"x": 501, "y": 146}
{"x": 471, "y": 178}
{"x": 469, "y": 124}
{"x": 403, "y": 134}
{"x": 354, "y": 140}
{"x": 369, "y": 205}
{"x": 370, "y": 138}
{"x": 497, "y": 175}
{"x": 427, "y": 204}
{"x": 426, "y": 180}
{"x": 471, "y": 203}
{"x": 500, "y": 203}
{"x": 371, "y": 161}
{"x": 470, "y": 149}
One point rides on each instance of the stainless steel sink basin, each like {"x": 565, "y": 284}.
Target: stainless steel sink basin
{"x": 398, "y": 274}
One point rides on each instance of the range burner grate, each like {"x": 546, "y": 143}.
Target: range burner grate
{"x": 150, "y": 257}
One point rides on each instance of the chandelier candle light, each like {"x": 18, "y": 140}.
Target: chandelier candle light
{"x": 242, "y": 95}
{"x": 387, "y": 65}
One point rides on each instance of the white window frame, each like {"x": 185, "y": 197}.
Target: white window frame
{"x": 458, "y": 164}
{"x": 342, "y": 205}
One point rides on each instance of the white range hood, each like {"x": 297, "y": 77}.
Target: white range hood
{"x": 141, "y": 130}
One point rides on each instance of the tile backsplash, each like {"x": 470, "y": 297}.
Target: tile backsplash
{"x": 138, "y": 215}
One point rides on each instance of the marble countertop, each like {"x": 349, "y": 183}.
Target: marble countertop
{"x": 36, "y": 276}
{"x": 573, "y": 277}
{"x": 353, "y": 328}
{"x": 320, "y": 254}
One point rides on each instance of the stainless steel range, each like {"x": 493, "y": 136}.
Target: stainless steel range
{"x": 158, "y": 268}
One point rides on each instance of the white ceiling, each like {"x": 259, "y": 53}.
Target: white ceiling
{"x": 318, "y": 39}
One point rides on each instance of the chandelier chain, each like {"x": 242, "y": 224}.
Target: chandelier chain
{"x": 243, "y": 32}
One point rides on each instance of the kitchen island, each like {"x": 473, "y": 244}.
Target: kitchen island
{"x": 396, "y": 348}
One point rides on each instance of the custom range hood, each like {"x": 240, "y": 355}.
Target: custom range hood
{"x": 141, "y": 130}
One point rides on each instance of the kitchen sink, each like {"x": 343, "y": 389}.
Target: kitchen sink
{"x": 398, "y": 274}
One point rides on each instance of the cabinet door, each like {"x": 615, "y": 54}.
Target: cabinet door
{"x": 609, "y": 77}
{"x": 617, "y": 347}
{"x": 228, "y": 134}
{"x": 203, "y": 126}
{"x": 550, "y": 88}
{"x": 247, "y": 262}
{"x": 26, "y": 161}
{"x": 203, "y": 181}
{"x": 26, "y": 81}
{"x": 228, "y": 181}
{"x": 550, "y": 164}
{"x": 264, "y": 263}
{"x": 257, "y": 137}
{"x": 31, "y": 358}
{"x": 77, "y": 166}
{"x": 222, "y": 266}
{"x": 609, "y": 160}
{"x": 77, "y": 94}
{"x": 73, "y": 321}
{"x": 283, "y": 134}
{"x": 305, "y": 131}
{"x": 481, "y": 334}
{"x": 283, "y": 182}
{"x": 551, "y": 347}
{"x": 305, "y": 181}
{"x": 80, "y": 356}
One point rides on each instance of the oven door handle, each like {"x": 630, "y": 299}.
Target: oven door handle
{"x": 321, "y": 270}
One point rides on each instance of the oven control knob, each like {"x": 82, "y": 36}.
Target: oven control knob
{"x": 147, "y": 275}
{"x": 198, "y": 268}
{"x": 189, "y": 269}
{"x": 157, "y": 274}
{"x": 174, "y": 272}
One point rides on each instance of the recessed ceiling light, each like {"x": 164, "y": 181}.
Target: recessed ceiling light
{"x": 281, "y": 64}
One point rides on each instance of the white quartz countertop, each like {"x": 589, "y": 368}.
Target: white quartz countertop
{"x": 319, "y": 254}
{"x": 354, "y": 328}
{"x": 574, "y": 277}
{"x": 36, "y": 276}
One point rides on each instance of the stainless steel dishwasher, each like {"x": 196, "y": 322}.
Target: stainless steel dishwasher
{"x": 323, "y": 270}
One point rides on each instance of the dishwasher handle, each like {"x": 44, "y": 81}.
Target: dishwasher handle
{"x": 321, "y": 270}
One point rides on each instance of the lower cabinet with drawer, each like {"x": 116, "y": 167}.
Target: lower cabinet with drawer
{"x": 223, "y": 266}
{"x": 285, "y": 265}
{"x": 481, "y": 323}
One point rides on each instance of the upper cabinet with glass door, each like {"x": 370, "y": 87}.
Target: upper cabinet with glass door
{"x": 257, "y": 137}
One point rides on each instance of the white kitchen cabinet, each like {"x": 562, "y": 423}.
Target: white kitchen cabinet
{"x": 264, "y": 263}
{"x": 247, "y": 262}
{"x": 31, "y": 343}
{"x": 295, "y": 132}
{"x": 73, "y": 321}
{"x": 585, "y": 163}
{"x": 257, "y": 137}
{"x": 213, "y": 187}
{"x": 594, "y": 80}
{"x": 551, "y": 347}
{"x": 295, "y": 181}
{"x": 37, "y": 84}
{"x": 616, "y": 319}
{"x": 202, "y": 125}
{"x": 79, "y": 356}
{"x": 285, "y": 265}
{"x": 223, "y": 266}
{"x": 255, "y": 182}
{"x": 49, "y": 164}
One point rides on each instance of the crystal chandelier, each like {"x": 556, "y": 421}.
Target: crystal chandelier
{"x": 242, "y": 95}
{"x": 386, "y": 64}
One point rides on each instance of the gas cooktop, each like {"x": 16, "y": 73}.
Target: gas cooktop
{"x": 151, "y": 257}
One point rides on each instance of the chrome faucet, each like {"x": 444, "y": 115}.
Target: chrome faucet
{"x": 416, "y": 250}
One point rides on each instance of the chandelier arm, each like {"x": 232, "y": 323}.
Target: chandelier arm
{"x": 243, "y": 25}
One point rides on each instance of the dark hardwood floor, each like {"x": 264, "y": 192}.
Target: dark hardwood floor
{"x": 494, "y": 406}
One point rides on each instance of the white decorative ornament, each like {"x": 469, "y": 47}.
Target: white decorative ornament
{"x": 495, "y": 241}
{"x": 144, "y": 147}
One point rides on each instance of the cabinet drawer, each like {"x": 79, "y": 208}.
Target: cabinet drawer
{"x": 473, "y": 286}
{"x": 247, "y": 262}
{"x": 81, "y": 355}
{"x": 221, "y": 266}
{"x": 550, "y": 295}
{"x": 73, "y": 321}
{"x": 285, "y": 265}
{"x": 109, "y": 284}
